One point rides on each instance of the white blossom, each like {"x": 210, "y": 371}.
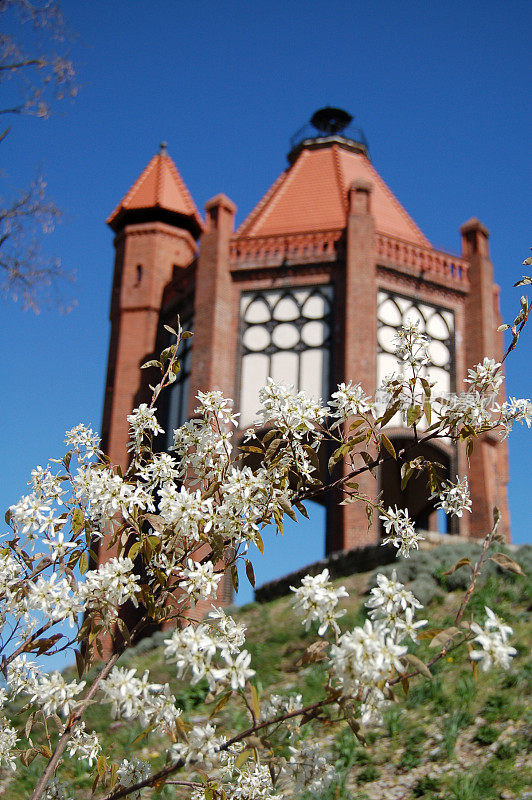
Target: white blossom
{"x": 54, "y": 695}
{"x": 83, "y": 441}
{"x": 84, "y": 745}
{"x": 494, "y": 652}
{"x": 136, "y": 698}
{"x": 400, "y": 531}
{"x": 200, "y": 748}
{"x": 469, "y": 409}
{"x": 236, "y": 670}
{"x": 454, "y": 498}
{"x": 57, "y": 600}
{"x": 411, "y": 346}
{"x": 349, "y": 400}
{"x": 110, "y": 585}
{"x": 56, "y": 790}
{"x": 317, "y": 598}
{"x": 142, "y": 421}
{"x": 364, "y": 660}
{"x": 8, "y": 742}
{"x": 486, "y": 377}
{"x": 200, "y": 581}
{"x": 309, "y": 768}
{"x": 131, "y": 772}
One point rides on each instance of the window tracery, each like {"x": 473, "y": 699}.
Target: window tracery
{"x": 285, "y": 334}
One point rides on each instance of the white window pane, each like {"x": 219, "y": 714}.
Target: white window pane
{"x": 257, "y": 311}
{"x": 254, "y": 376}
{"x": 412, "y": 316}
{"x": 256, "y": 338}
{"x": 439, "y": 354}
{"x": 437, "y": 327}
{"x": 312, "y": 373}
{"x": 385, "y": 337}
{"x": 389, "y": 313}
{"x": 442, "y": 381}
{"x": 314, "y": 308}
{"x": 286, "y": 309}
{"x": 314, "y": 333}
{"x": 386, "y": 364}
{"x": 285, "y": 335}
{"x": 284, "y": 368}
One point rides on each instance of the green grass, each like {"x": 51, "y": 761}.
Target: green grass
{"x": 421, "y": 729}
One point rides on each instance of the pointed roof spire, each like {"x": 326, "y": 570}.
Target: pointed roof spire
{"x": 158, "y": 193}
{"x": 311, "y": 195}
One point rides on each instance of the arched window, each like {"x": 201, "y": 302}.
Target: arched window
{"x": 285, "y": 334}
{"x": 437, "y": 323}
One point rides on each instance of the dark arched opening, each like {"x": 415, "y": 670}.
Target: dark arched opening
{"x": 416, "y": 495}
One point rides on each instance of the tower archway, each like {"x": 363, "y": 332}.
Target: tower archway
{"x": 416, "y": 495}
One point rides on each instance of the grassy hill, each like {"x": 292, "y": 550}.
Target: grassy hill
{"x": 456, "y": 737}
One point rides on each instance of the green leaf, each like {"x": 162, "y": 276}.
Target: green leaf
{"x": 443, "y": 637}
{"x": 114, "y": 767}
{"x": 243, "y": 757}
{"x": 418, "y": 665}
{"x": 337, "y": 455}
{"x": 249, "y": 572}
{"x": 427, "y": 409}
{"x": 255, "y": 702}
{"x": 101, "y": 765}
{"x": 313, "y": 456}
{"x": 388, "y": 445}
{"x": 301, "y": 508}
{"x": 152, "y": 363}
{"x": 284, "y": 502}
{"x": 388, "y": 414}
{"x": 170, "y": 330}
{"x": 80, "y": 664}
{"x": 122, "y": 627}
{"x": 222, "y": 702}
{"x": 167, "y": 353}
{"x": 234, "y": 576}
{"x": 462, "y": 563}
{"x": 134, "y": 550}
{"x": 83, "y": 563}
{"x": 413, "y": 414}
{"x": 406, "y": 474}
{"x": 505, "y": 562}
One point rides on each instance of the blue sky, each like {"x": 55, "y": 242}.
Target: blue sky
{"x": 442, "y": 92}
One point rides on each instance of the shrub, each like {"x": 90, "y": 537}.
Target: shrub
{"x": 486, "y": 735}
{"x": 394, "y": 721}
{"x": 424, "y": 588}
{"x": 426, "y": 784}
{"x": 494, "y": 707}
{"x": 368, "y": 774}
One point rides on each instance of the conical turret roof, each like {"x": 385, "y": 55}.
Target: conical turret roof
{"x": 160, "y": 187}
{"x": 311, "y": 195}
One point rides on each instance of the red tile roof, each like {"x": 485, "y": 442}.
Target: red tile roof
{"x": 159, "y": 186}
{"x": 312, "y": 196}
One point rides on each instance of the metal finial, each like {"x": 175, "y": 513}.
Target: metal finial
{"x": 162, "y": 148}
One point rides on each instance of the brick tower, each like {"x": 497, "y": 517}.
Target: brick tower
{"x": 310, "y": 289}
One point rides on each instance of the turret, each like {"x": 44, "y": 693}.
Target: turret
{"x": 156, "y": 226}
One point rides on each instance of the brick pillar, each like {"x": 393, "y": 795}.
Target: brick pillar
{"x": 145, "y": 257}
{"x": 215, "y": 322}
{"x": 488, "y": 473}
{"x": 360, "y": 341}
{"x": 215, "y": 305}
